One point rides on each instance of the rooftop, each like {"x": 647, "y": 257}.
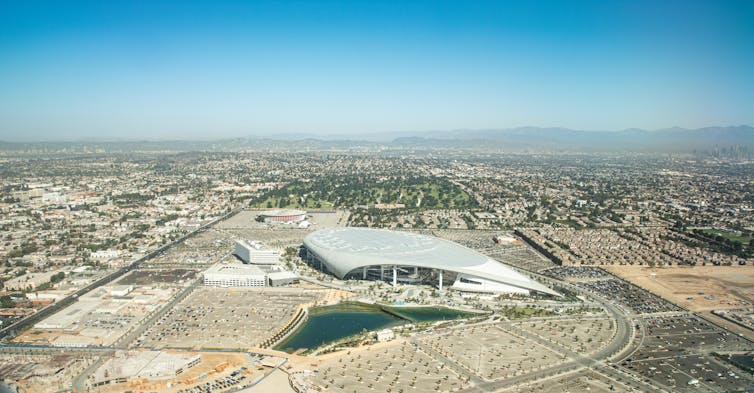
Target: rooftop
{"x": 275, "y": 213}
{"x": 344, "y": 250}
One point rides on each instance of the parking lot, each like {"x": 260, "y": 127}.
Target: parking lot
{"x": 677, "y": 335}
{"x": 198, "y": 251}
{"x": 395, "y": 368}
{"x": 226, "y": 317}
{"x": 637, "y": 299}
{"x": 576, "y": 382}
{"x": 582, "y": 335}
{"x": 677, "y": 351}
{"x": 576, "y": 273}
{"x": 493, "y": 353}
{"x": 236, "y": 379}
{"x": 678, "y": 374}
{"x": 157, "y": 277}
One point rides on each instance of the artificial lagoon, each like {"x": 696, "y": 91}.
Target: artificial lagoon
{"x": 331, "y": 323}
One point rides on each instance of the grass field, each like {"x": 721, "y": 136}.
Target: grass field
{"x": 293, "y": 203}
{"x": 730, "y": 235}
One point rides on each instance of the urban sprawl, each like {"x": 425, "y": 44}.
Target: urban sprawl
{"x": 189, "y": 272}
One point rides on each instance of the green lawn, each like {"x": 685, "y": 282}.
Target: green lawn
{"x": 295, "y": 203}
{"x": 730, "y": 235}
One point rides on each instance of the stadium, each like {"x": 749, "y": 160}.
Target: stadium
{"x": 409, "y": 258}
{"x": 282, "y": 216}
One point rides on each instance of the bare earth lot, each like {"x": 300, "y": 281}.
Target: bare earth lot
{"x": 731, "y": 286}
{"x": 722, "y": 287}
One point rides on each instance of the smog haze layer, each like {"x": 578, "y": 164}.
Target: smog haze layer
{"x": 191, "y": 70}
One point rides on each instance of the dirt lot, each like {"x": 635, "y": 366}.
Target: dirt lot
{"x": 213, "y": 366}
{"x": 694, "y": 287}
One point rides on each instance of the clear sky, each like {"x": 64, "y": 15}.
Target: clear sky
{"x": 159, "y": 70}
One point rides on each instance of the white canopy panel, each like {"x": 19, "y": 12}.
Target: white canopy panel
{"x": 344, "y": 250}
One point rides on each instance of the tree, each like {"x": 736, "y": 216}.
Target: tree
{"x": 7, "y": 302}
{"x": 57, "y": 277}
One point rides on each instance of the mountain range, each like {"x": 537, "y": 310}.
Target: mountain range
{"x": 503, "y": 140}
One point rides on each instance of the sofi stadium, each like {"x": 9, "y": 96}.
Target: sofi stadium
{"x": 404, "y": 257}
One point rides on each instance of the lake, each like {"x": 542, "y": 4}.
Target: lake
{"x": 330, "y": 323}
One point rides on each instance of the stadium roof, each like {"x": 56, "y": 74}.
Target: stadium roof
{"x": 346, "y": 249}
{"x": 278, "y": 213}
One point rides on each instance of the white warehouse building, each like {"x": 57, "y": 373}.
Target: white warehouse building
{"x": 256, "y": 253}
{"x": 239, "y": 275}
{"x": 234, "y": 275}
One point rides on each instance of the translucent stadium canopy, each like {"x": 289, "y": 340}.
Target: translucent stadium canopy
{"x": 344, "y": 250}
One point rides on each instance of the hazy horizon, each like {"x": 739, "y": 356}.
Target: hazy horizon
{"x": 193, "y": 71}
{"x": 378, "y": 136}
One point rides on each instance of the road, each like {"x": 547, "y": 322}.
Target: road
{"x": 129, "y": 337}
{"x": 79, "y": 383}
{"x": 11, "y": 330}
{"x": 618, "y": 348}
{"x": 624, "y": 343}
{"x": 449, "y": 363}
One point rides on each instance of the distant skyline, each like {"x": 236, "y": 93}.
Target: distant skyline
{"x": 205, "y": 70}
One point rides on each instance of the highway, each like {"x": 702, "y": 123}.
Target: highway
{"x": 624, "y": 343}
{"x": 129, "y": 337}
{"x": 618, "y": 348}
{"x": 12, "y": 330}
{"x": 79, "y": 383}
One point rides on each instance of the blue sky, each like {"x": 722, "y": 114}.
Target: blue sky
{"x": 163, "y": 70}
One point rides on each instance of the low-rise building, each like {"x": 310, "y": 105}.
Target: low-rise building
{"x": 235, "y": 275}
{"x": 256, "y": 253}
{"x": 277, "y": 279}
{"x": 29, "y": 281}
{"x": 385, "y": 335}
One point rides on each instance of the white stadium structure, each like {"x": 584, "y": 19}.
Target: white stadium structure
{"x": 404, "y": 257}
{"x": 283, "y": 215}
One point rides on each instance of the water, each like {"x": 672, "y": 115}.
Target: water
{"x": 5, "y": 388}
{"x": 331, "y": 323}
{"x": 744, "y": 360}
{"x": 428, "y": 314}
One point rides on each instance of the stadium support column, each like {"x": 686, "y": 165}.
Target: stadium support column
{"x": 395, "y": 275}
{"x": 364, "y": 273}
{"x": 439, "y": 274}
